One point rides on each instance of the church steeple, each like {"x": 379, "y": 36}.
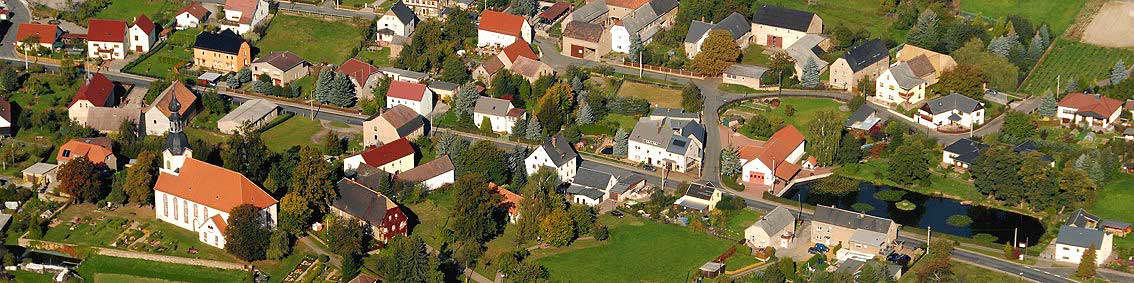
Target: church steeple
{"x": 176, "y": 143}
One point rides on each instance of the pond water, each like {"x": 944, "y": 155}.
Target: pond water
{"x": 931, "y": 211}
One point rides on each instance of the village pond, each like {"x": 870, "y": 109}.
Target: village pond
{"x": 929, "y": 211}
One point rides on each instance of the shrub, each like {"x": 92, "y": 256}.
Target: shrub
{"x": 601, "y": 233}
{"x": 905, "y": 205}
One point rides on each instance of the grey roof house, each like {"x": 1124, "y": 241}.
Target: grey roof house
{"x": 555, "y": 153}
{"x": 667, "y": 143}
{"x": 736, "y": 25}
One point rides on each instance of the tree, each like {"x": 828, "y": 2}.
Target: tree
{"x": 465, "y": 100}
{"x": 691, "y": 98}
{"x": 621, "y": 142}
{"x": 1002, "y": 45}
{"x": 140, "y": 178}
{"x": 825, "y": 131}
{"x": 484, "y": 158}
{"x": 925, "y": 32}
{"x": 408, "y": 261}
{"x": 937, "y": 266}
{"x": 1017, "y": 128}
{"x": 454, "y": 69}
{"x": 995, "y": 69}
{"x": 995, "y": 173}
{"x": 1087, "y": 264}
{"x": 311, "y": 180}
{"x": 636, "y": 48}
{"x": 246, "y": 236}
{"x": 584, "y": 218}
{"x": 280, "y": 245}
{"x": 263, "y": 84}
{"x": 718, "y": 51}
{"x": 1048, "y": 106}
{"x": 451, "y": 145}
{"x": 379, "y": 91}
{"x": 294, "y": 213}
{"x": 534, "y": 130}
{"x": 1118, "y": 74}
{"x": 523, "y": 7}
{"x": 324, "y": 85}
{"x": 245, "y": 75}
{"x": 585, "y": 115}
{"x": 486, "y": 125}
{"x": 346, "y": 237}
{"x": 245, "y": 154}
{"x": 474, "y": 215}
{"x": 850, "y": 149}
{"x": 730, "y": 161}
{"x": 343, "y": 91}
{"x": 557, "y": 229}
{"x": 866, "y": 86}
{"x": 909, "y": 165}
{"x": 962, "y": 79}
{"x": 810, "y": 76}
{"x": 79, "y": 178}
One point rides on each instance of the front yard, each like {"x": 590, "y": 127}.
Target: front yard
{"x": 176, "y": 51}
{"x": 656, "y": 95}
{"x": 315, "y": 40}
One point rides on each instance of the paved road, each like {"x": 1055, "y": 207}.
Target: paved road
{"x": 20, "y": 14}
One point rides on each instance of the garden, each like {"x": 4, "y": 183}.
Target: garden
{"x": 796, "y": 111}
{"x": 656, "y": 95}
{"x": 128, "y": 228}
{"x": 1072, "y": 60}
{"x": 310, "y": 38}
{"x": 177, "y": 50}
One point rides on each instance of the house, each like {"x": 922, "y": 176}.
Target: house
{"x": 157, "y": 117}
{"x": 743, "y": 74}
{"x": 507, "y": 59}
{"x": 699, "y": 197}
{"x": 444, "y": 90}
{"x": 45, "y": 34}
{"x": 861, "y": 236}
{"x": 670, "y": 144}
{"x": 6, "y": 118}
{"x": 777, "y": 27}
{"x": 776, "y": 160}
{"x": 899, "y": 86}
{"x": 865, "y": 119}
{"x": 864, "y": 61}
{"x": 97, "y": 91}
{"x": 676, "y": 114}
{"x": 498, "y": 112}
{"x": 1083, "y": 219}
{"x": 427, "y": 8}
{"x": 40, "y": 174}
{"x": 396, "y": 123}
{"x": 249, "y": 116}
{"x": 191, "y": 16}
{"x": 1091, "y": 110}
{"x": 854, "y": 266}
{"x": 644, "y": 22}
{"x": 361, "y": 74}
{"x": 962, "y": 153}
{"x": 209, "y": 79}
{"x": 241, "y": 15}
{"x": 955, "y": 111}
{"x": 394, "y": 157}
{"x": 199, "y": 197}
{"x": 413, "y": 95}
{"x": 100, "y": 151}
{"x": 509, "y": 201}
{"x": 1118, "y": 228}
{"x": 555, "y": 153}
{"x": 356, "y": 201}
{"x": 776, "y": 229}
{"x": 396, "y": 74}
{"x": 554, "y": 12}
{"x": 807, "y": 50}
{"x": 106, "y": 39}
{"x": 928, "y": 65}
{"x": 593, "y": 12}
{"x": 630, "y": 187}
{"x": 736, "y": 25}
{"x": 223, "y": 51}
{"x": 530, "y": 69}
{"x": 398, "y": 21}
{"x": 283, "y": 67}
{"x": 433, "y": 174}
{"x": 1072, "y": 242}
{"x": 497, "y": 29}
{"x": 585, "y": 40}
{"x": 590, "y": 187}
{"x": 143, "y": 34}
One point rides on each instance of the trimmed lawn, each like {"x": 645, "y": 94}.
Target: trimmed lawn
{"x": 176, "y": 51}
{"x": 310, "y": 37}
{"x": 133, "y": 270}
{"x": 296, "y": 130}
{"x": 735, "y": 225}
{"x": 1057, "y": 14}
{"x": 624, "y": 121}
{"x": 89, "y": 231}
{"x": 754, "y": 55}
{"x": 1070, "y": 60}
{"x": 805, "y": 110}
{"x": 380, "y": 58}
{"x": 733, "y": 88}
{"x": 657, "y": 96}
{"x": 126, "y": 10}
{"x": 638, "y": 251}
{"x": 32, "y": 277}
{"x": 1115, "y": 198}
{"x": 356, "y": 3}
{"x": 851, "y": 13}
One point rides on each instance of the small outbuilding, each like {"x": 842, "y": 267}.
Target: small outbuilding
{"x": 250, "y": 115}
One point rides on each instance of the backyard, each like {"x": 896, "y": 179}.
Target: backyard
{"x": 1058, "y": 14}
{"x": 380, "y": 58}
{"x": 431, "y": 216}
{"x": 177, "y": 50}
{"x": 805, "y": 110}
{"x": 754, "y": 55}
{"x": 309, "y": 37}
{"x": 656, "y": 95}
{"x": 296, "y": 130}
{"x": 1072, "y": 60}
{"x": 158, "y": 11}
{"x": 1115, "y": 198}
{"x": 100, "y": 268}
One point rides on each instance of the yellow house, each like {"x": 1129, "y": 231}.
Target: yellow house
{"x": 224, "y": 51}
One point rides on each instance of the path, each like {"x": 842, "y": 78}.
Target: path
{"x": 306, "y": 241}
{"x": 171, "y": 259}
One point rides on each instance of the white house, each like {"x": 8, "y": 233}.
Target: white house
{"x": 962, "y": 152}
{"x": 241, "y": 15}
{"x": 645, "y": 22}
{"x": 699, "y": 197}
{"x": 776, "y": 229}
{"x": 1092, "y": 110}
{"x": 157, "y": 117}
{"x": 736, "y": 25}
{"x": 555, "y": 153}
{"x": 433, "y": 174}
{"x": 590, "y": 187}
{"x": 667, "y": 143}
{"x": 954, "y": 110}
{"x": 394, "y": 157}
{"x": 499, "y": 112}
{"x": 1073, "y": 241}
{"x": 777, "y": 159}
{"x": 899, "y": 85}
{"x": 191, "y": 16}
{"x": 780, "y": 27}
{"x": 413, "y": 95}
{"x": 498, "y": 29}
{"x": 143, "y": 34}
{"x": 398, "y": 21}
{"x": 106, "y": 39}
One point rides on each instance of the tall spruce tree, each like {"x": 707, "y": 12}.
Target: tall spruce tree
{"x": 621, "y": 143}
{"x": 810, "y": 74}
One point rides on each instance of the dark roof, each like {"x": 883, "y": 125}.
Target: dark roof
{"x": 866, "y": 54}
{"x": 751, "y": 71}
{"x": 1115, "y": 224}
{"x": 424, "y": 172}
{"x": 783, "y": 17}
{"x": 1082, "y": 219}
{"x": 360, "y": 202}
{"x": 591, "y": 178}
{"x": 647, "y": 14}
{"x": 736, "y": 24}
{"x": 1030, "y": 146}
{"x": 860, "y": 115}
{"x": 1079, "y": 237}
{"x": 967, "y": 150}
{"x": 283, "y": 60}
{"x": 951, "y": 102}
{"x": 590, "y": 11}
{"x": 225, "y": 42}
{"x": 585, "y": 191}
{"x": 6, "y": 110}
{"x": 696, "y": 30}
{"x": 674, "y": 113}
{"x": 555, "y": 11}
{"x": 852, "y": 220}
{"x": 700, "y": 191}
{"x": 559, "y": 150}
{"x": 584, "y": 31}
{"x": 404, "y": 13}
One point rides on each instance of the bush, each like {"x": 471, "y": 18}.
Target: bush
{"x": 890, "y": 195}
{"x": 905, "y": 205}
{"x": 600, "y": 232}
{"x": 959, "y": 220}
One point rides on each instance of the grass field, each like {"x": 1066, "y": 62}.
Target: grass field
{"x": 970, "y": 273}
{"x": 851, "y": 13}
{"x": 294, "y": 131}
{"x": 805, "y": 110}
{"x": 1057, "y": 14}
{"x": 310, "y": 37}
{"x": 637, "y": 251}
{"x": 1074, "y": 60}
{"x": 735, "y": 88}
{"x": 127, "y": 10}
{"x": 431, "y": 216}
{"x": 356, "y": 3}
{"x": 1115, "y": 198}
{"x": 736, "y": 224}
{"x": 754, "y": 55}
{"x": 174, "y": 52}
{"x": 102, "y": 233}
{"x": 380, "y": 58}
{"x": 135, "y": 270}
{"x": 31, "y": 277}
{"x": 657, "y": 96}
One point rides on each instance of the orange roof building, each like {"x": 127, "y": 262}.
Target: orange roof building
{"x": 200, "y": 196}
{"x": 775, "y": 160}
{"x": 393, "y": 157}
{"x": 497, "y": 29}
{"x": 45, "y": 34}
{"x": 1093, "y": 110}
{"x": 509, "y": 201}
{"x": 98, "y": 150}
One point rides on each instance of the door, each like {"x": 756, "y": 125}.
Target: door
{"x": 577, "y": 51}
{"x": 756, "y": 177}
{"x": 775, "y": 41}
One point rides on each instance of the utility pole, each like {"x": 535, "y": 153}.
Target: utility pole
{"x": 640, "y": 68}
{"x": 928, "y": 238}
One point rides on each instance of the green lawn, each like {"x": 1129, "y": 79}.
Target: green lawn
{"x": 1057, "y": 14}
{"x": 380, "y": 58}
{"x": 432, "y": 215}
{"x": 43, "y": 91}
{"x": 97, "y": 267}
{"x": 970, "y": 273}
{"x": 101, "y": 233}
{"x": 32, "y": 277}
{"x": 754, "y": 55}
{"x": 296, "y": 130}
{"x": 1115, "y": 198}
{"x": 157, "y": 10}
{"x": 624, "y": 121}
{"x": 657, "y": 96}
{"x": 1070, "y": 60}
{"x": 357, "y": 3}
{"x": 736, "y": 224}
{"x": 177, "y": 242}
{"x": 638, "y": 251}
{"x": 174, "y": 52}
{"x": 805, "y": 110}
{"x": 310, "y": 38}
{"x": 851, "y": 13}
{"x": 734, "y": 88}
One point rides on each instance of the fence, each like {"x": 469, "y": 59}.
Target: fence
{"x": 675, "y": 72}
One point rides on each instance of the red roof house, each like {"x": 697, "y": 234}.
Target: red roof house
{"x": 97, "y": 150}
{"x": 406, "y": 90}
{"x": 47, "y": 34}
{"x": 107, "y": 31}
{"x": 775, "y": 156}
{"x": 358, "y": 71}
{"x": 384, "y": 154}
{"x": 145, "y": 24}
{"x": 213, "y": 186}
{"x": 502, "y": 23}
{"x": 1091, "y": 105}
{"x": 518, "y": 49}
{"x": 98, "y": 91}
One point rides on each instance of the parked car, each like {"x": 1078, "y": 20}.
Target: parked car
{"x": 616, "y": 213}
{"x": 822, "y": 248}
{"x": 649, "y": 168}
{"x": 813, "y": 250}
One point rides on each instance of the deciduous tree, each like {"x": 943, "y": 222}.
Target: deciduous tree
{"x": 246, "y": 236}
{"x": 474, "y": 215}
{"x": 964, "y": 79}
{"x": 718, "y": 51}
{"x": 909, "y": 165}
{"x": 294, "y": 213}
{"x": 483, "y": 158}
{"x": 79, "y": 178}
{"x": 825, "y": 131}
{"x": 557, "y": 229}
{"x": 1087, "y": 265}
{"x": 1018, "y": 127}
{"x": 691, "y": 99}
{"x": 312, "y": 180}
{"x": 140, "y": 178}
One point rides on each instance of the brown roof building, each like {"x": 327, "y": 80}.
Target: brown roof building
{"x": 585, "y": 40}
{"x": 396, "y": 123}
